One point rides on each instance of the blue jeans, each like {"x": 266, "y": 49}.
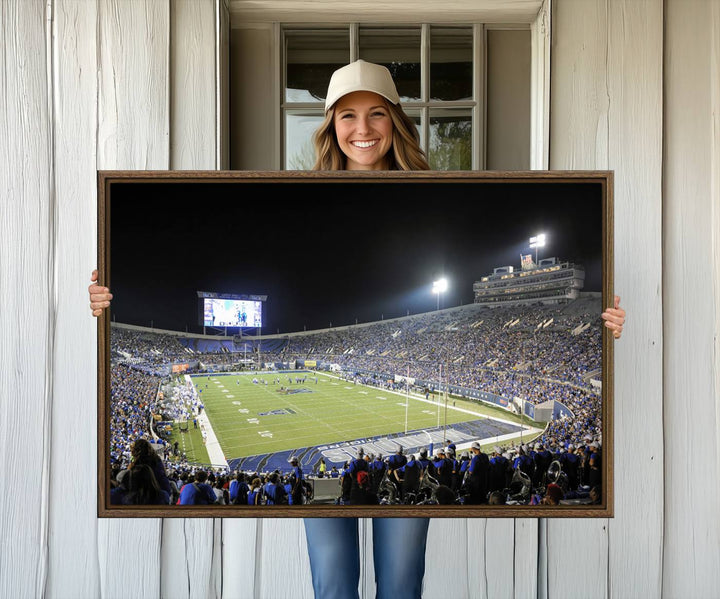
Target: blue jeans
{"x": 398, "y": 555}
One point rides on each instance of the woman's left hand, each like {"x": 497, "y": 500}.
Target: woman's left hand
{"x": 615, "y": 318}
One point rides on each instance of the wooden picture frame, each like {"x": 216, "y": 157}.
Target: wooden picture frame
{"x": 546, "y": 347}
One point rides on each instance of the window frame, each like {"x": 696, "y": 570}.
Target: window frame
{"x": 539, "y": 85}
{"x": 421, "y": 108}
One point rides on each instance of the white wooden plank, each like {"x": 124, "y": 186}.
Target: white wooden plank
{"x": 240, "y": 553}
{"x": 385, "y": 11}
{"x": 128, "y": 551}
{"x": 72, "y": 546}
{"x": 503, "y": 549}
{"x": 542, "y": 565}
{"x": 188, "y": 555}
{"x": 692, "y": 459}
{"x": 714, "y": 262}
{"x": 27, "y": 318}
{"x": 193, "y": 85}
{"x": 215, "y": 583}
{"x": 527, "y": 558}
{"x": 133, "y": 126}
{"x": 579, "y": 100}
{"x": 283, "y": 569}
{"x": 473, "y": 567}
{"x": 449, "y": 555}
{"x": 635, "y": 90}
{"x": 479, "y": 554}
{"x": 577, "y": 557}
{"x": 606, "y": 113}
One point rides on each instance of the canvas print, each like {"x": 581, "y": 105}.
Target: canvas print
{"x": 391, "y": 344}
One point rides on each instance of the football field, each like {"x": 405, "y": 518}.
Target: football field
{"x": 261, "y": 413}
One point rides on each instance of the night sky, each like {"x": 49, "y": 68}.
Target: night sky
{"x": 333, "y": 252}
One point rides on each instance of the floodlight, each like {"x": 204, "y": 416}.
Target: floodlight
{"x": 538, "y": 241}
{"x": 439, "y": 286}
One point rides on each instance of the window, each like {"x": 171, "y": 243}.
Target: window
{"x": 468, "y": 88}
{"x": 439, "y": 72}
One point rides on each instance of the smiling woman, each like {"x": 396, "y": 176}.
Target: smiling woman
{"x": 365, "y": 128}
{"x": 364, "y": 131}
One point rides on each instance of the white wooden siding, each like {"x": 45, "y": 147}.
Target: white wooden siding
{"x": 606, "y": 113}
{"x": 691, "y": 326}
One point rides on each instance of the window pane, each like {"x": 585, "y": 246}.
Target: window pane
{"x": 399, "y": 50}
{"x": 311, "y": 57}
{"x": 451, "y": 63}
{"x": 450, "y": 145}
{"x": 299, "y": 151}
{"x": 415, "y": 116}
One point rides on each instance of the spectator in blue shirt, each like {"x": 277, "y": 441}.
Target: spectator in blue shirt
{"x": 197, "y": 491}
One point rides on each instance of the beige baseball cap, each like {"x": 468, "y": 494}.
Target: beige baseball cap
{"x": 361, "y": 76}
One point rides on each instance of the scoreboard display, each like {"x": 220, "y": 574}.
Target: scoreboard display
{"x": 224, "y": 310}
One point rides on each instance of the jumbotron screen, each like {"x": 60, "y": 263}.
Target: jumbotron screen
{"x": 231, "y": 313}
{"x": 228, "y": 310}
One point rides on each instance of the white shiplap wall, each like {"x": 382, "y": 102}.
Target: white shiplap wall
{"x": 690, "y": 294}
{"x": 113, "y": 84}
{"x": 73, "y": 543}
{"x": 606, "y": 113}
{"x": 27, "y": 282}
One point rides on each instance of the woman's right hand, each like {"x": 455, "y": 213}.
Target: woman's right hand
{"x": 99, "y": 296}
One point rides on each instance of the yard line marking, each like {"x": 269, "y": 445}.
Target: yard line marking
{"x": 353, "y": 408}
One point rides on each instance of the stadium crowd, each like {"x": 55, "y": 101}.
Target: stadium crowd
{"x": 537, "y": 352}
{"x": 524, "y": 474}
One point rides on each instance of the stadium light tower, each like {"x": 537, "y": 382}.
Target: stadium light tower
{"x": 438, "y": 287}
{"x": 537, "y": 242}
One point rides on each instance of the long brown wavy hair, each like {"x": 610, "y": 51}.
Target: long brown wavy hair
{"x": 405, "y": 153}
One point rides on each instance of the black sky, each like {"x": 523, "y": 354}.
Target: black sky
{"x": 333, "y": 252}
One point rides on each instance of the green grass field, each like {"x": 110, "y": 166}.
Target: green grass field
{"x": 251, "y": 419}
{"x": 191, "y": 444}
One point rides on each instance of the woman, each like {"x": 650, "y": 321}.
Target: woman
{"x": 365, "y": 128}
{"x": 139, "y": 487}
{"x": 143, "y": 453}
